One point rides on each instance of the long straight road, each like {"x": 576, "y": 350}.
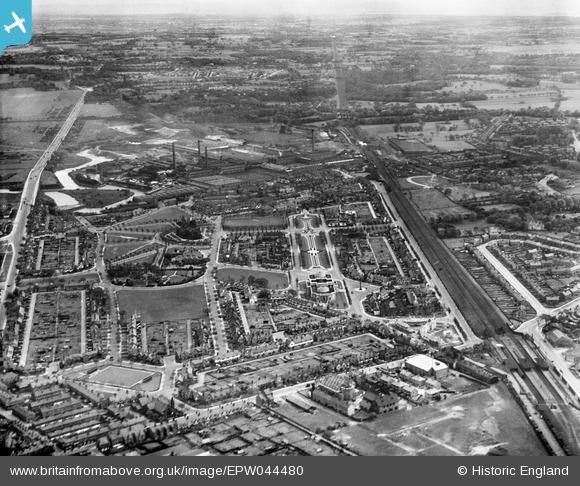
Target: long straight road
{"x": 217, "y": 322}
{"x": 29, "y": 193}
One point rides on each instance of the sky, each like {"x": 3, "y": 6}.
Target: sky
{"x": 312, "y": 7}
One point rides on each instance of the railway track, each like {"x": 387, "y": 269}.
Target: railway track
{"x": 556, "y": 407}
{"x": 476, "y": 306}
{"x": 484, "y": 317}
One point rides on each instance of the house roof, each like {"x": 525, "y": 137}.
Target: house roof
{"x": 426, "y": 363}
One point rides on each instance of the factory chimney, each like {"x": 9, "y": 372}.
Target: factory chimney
{"x": 312, "y": 132}
{"x": 199, "y": 151}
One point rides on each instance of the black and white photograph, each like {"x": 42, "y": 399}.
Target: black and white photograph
{"x": 291, "y": 228}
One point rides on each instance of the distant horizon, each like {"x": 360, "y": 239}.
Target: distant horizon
{"x": 320, "y": 8}
{"x": 300, "y": 15}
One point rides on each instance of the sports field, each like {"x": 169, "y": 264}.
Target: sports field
{"x": 163, "y": 304}
{"x": 276, "y": 280}
{"x": 273, "y": 221}
{"x": 119, "y": 376}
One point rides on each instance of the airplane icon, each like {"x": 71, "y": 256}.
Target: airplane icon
{"x": 17, "y": 23}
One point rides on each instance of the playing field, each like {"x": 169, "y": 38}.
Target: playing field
{"x": 164, "y": 304}
{"x": 273, "y": 221}
{"x": 276, "y": 280}
{"x": 119, "y": 376}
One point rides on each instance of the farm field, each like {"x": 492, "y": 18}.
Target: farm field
{"x": 25, "y": 102}
{"x": 515, "y": 102}
{"x": 164, "y": 304}
{"x": 276, "y": 280}
{"x": 573, "y": 101}
{"x": 564, "y": 47}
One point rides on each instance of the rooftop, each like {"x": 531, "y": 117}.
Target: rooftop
{"x": 426, "y": 363}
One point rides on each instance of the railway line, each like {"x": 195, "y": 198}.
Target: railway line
{"x": 485, "y": 318}
{"x": 475, "y": 305}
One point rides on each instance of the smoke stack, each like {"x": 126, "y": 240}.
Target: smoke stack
{"x": 199, "y": 150}
{"x": 173, "y": 147}
{"x": 312, "y": 141}
{"x": 206, "y": 164}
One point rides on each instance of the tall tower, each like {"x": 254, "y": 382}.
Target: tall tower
{"x": 174, "y": 164}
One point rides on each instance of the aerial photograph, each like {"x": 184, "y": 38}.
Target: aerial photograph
{"x": 268, "y": 228}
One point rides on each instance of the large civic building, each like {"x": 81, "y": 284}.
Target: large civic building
{"x": 423, "y": 365}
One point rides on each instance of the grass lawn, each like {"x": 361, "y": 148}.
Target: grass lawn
{"x": 171, "y": 213}
{"x": 272, "y": 221}
{"x": 114, "y": 251}
{"x": 161, "y": 303}
{"x": 276, "y": 280}
{"x": 119, "y": 376}
{"x": 98, "y": 198}
{"x": 432, "y": 203}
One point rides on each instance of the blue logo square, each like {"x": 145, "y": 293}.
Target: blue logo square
{"x": 15, "y": 22}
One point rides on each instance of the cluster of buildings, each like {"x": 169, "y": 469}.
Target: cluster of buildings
{"x": 69, "y": 415}
{"x": 551, "y": 275}
{"x": 269, "y": 250}
{"x": 413, "y": 380}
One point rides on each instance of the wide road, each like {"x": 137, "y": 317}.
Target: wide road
{"x": 29, "y": 193}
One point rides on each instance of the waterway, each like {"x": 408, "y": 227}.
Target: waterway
{"x": 65, "y": 201}
{"x": 64, "y": 177}
{"x": 62, "y": 200}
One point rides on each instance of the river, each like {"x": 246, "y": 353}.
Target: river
{"x": 63, "y": 175}
{"x": 66, "y": 201}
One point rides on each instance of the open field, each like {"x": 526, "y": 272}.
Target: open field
{"x": 468, "y": 424}
{"x": 432, "y": 203}
{"x": 164, "y": 304}
{"x": 94, "y": 130}
{"x": 254, "y": 222}
{"x": 458, "y": 191}
{"x": 515, "y": 102}
{"x": 276, "y": 280}
{"x": 166, "y": 214}
{"x": 104, "y": 110}
{"x": 119, "y": 376}
{"x": 429, "y": 132}
{"x": 25, "y": 102}
{"x": 117, "y": 250}
{"x": 562, "y": 47}
{"x": 98, "y": 198}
